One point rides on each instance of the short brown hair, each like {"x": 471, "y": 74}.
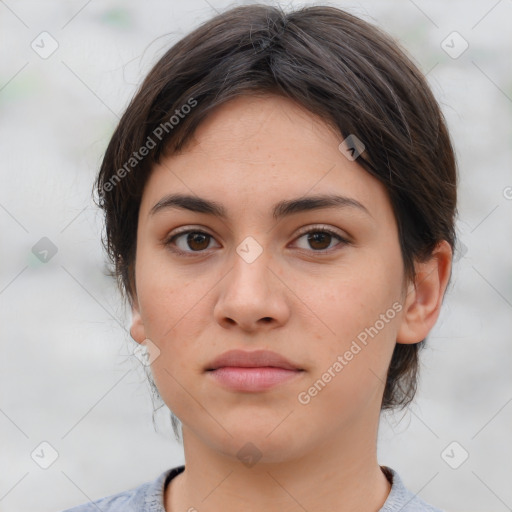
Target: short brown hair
{"x": 330, "y": 62}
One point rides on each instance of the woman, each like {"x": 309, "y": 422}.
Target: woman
{"x": 279, "y": 199}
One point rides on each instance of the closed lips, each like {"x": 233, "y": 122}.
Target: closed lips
{"x": 255, "y": 359}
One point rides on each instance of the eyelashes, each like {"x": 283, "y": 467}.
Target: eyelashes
{"x": 180, "y": 242}
{"x": 323, "y": 232}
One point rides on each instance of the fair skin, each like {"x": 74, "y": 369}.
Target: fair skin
{"x": 307, "y": 301}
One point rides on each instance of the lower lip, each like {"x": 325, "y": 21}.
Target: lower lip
{"x": 252, "y": 379}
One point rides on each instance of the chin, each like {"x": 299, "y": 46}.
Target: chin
{"x": 261, "y": 445}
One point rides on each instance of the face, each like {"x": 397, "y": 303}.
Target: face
{"x": 322, "y": 286}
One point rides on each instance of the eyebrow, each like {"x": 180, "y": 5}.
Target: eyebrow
{"x": 281, "y": 209}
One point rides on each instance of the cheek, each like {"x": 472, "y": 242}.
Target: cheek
{"x": 360, "y": 314}
{"x": 166, "y": 296}
{"x": 171, "y": 313}
{"x": 347, "y": 301}
{"x": 350, "y": 367}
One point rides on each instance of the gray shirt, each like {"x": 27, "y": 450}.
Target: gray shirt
{"x": 149, "y": 497}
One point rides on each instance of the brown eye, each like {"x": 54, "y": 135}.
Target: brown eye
{"x": 320, "y": 240}
{"x": 189, "y": 242}
{"x": 198, "y": 241}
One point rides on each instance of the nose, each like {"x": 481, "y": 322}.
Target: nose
{"x": 252, "y": 296}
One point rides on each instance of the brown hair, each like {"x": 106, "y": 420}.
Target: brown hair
{"x": 331, "y": 63}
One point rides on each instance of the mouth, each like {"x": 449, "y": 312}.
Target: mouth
{"x": 254, "y": 359}
{"x": 256, "y": 371}
{"x": 254, "y": 379}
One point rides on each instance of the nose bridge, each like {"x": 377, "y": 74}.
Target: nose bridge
{"x": 250, "y": 264}
{"x": 251, "y": 292}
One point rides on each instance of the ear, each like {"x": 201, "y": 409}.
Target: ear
{"x": 424, "y": 296}
{"x": 137, "y": 330}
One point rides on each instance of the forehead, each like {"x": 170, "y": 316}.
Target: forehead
{"x": 273, "y": 123}
{"x": 255, "y": 152}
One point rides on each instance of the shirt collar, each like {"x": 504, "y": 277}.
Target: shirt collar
{"x": 399, "y": 498}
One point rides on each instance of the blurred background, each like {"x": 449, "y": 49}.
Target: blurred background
{"x": 75, "y": 407}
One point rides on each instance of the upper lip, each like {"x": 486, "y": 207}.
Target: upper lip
{"x": 254, "y": 359}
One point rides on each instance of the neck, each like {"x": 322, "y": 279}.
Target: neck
{"x": 339, "y": 474}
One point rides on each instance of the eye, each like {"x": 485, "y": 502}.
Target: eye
{"x": 320, "y": 239}
{"x": 194, "y": 241}
{"x": 197, "y": 241}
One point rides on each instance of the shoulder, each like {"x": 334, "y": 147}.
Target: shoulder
{"x": 148, "y": 496}
{"x": 402, "y": 499}
{"x": 114, "y": 503}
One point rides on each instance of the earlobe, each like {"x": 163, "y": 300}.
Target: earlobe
{"x": 137, "y": 331}
{"x": 423, "y": 301}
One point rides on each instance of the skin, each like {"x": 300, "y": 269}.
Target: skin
{"x": 247, "y": 155}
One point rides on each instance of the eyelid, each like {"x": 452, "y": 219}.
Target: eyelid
{"x": 302, "y": 231}
{"x": 184, "y": 230}
{"x": 344, "y": 239}
{"x": 323, "y": 227}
